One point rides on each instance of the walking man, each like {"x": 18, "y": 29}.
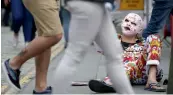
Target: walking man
{"x": 45, "y": 13}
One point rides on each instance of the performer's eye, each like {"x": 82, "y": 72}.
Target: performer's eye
{"x": 133, "y": 23}
{"x": 126, "y": 20}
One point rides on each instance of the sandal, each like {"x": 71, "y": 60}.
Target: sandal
{"x": 157, "y": 89}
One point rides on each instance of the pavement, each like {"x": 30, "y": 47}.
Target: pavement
{"x": 9, "y": 51}
{"x": 93, "y": 67}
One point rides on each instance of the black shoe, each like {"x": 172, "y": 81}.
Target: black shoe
{"x": 11, "y": 75}
{"x": 47, "y": 91}
{"x": 100, "y": 87}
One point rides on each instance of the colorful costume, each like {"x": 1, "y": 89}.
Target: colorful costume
{"x": 138, "y": 56}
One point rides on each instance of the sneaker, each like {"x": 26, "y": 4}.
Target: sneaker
{"x": 11, "y": 75}
{"x": 47, "y": 91}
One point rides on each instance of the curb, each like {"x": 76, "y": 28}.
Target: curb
{"x": 55, "y": 50}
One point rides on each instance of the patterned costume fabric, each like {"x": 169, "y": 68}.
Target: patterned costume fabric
{"x": 137, "y": 54}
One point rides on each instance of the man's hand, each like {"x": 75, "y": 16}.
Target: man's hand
{"x": 6, "y": 2}
{"x": 118, "y": 1}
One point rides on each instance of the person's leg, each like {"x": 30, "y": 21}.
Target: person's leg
{"x": 6, "y": 16}
{"x": 42, "y": 63}
{"x": 84, "y": 26}
{"x": 37, "y": 46}
{"x": 111, "y": 46}
{"x": 66, "y": 21}
{"x": 60, "y": 14}
{"x": 105, "y": 85}
{"x": 27, "y": 25}
{"x": 17, "y": 17}
{"x": 43, "y": 59}
{"x": 50, "y": 32}
{"x": 153, "y": 46}
{"x": 152, "y": 74}
{"x": 45, "y": 13}
{"x": 160, "y": 13}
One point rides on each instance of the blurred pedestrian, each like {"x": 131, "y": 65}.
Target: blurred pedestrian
{"x": 45, "y": 13}
{"x": 160, "y": 13}
{"x": 91, "y": 21}
{"x": 21, "y": 17}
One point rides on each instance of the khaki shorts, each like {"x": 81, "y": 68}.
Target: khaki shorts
{"x": 46, "y": 16}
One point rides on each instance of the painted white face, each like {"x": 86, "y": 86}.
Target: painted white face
{"x": 132, "y": 24}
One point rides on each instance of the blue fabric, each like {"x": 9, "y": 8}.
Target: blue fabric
{"x": 65, "y": 19}
{"x": 160, "y": 13}
{"x": 22, "y": 17}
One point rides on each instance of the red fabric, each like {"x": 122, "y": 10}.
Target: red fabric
{"x": 171, "y": 22}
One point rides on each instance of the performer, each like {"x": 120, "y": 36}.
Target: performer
{"x": 141, "y": 58}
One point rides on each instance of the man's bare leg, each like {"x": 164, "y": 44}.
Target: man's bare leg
{"x": 36, "y": 47}
{"x": 42, "y": 64}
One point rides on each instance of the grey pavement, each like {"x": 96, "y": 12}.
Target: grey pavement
{"x": 93, "y": 67}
